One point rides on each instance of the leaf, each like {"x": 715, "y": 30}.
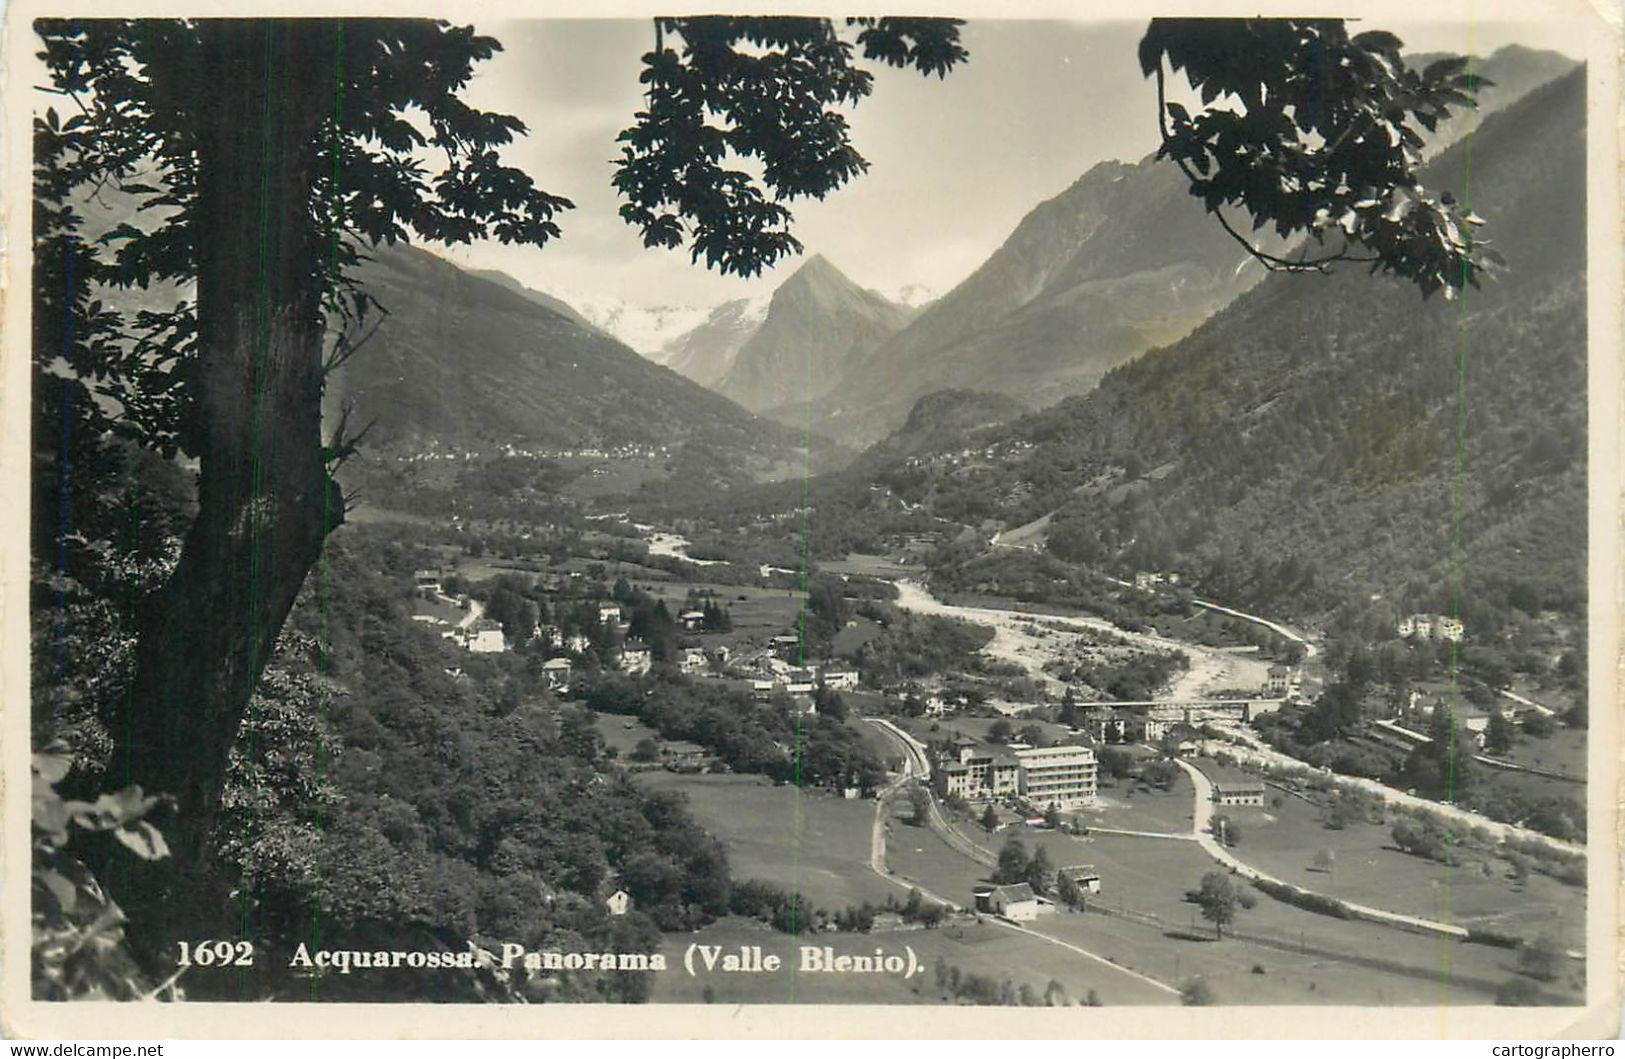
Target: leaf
{"x": 65, "y": 893}
{"x": 144, "y": 840}
{"x": 1378, "y": 41}
{"x": 1444, "y": 67}
{"x": 53, "y": 762}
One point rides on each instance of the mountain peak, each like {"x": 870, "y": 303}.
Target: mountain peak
{"x": 817, "y": 317}
{"x": 818, "y": 269}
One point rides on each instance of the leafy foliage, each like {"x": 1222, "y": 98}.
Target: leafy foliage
{"x": 1218, "y": 900}
{"x": 1328, "y": 138}
{"x": 771, "y": 83}
{"x": 78, "y": 931}
{"x": 137, "y": 133}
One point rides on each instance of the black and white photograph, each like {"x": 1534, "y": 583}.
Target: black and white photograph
{"x": 962, "y": 517}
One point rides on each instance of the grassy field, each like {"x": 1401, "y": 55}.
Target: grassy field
{"x": 808, "y": 841}
{"x": 1368, "y": 869}
{"x": 975, "y": 948}
{"x": 928, "y": 730}
{"x": 854, "y": 636}
{"x": 1345, "y": 961}
{"x": 1562, "y": 751}
{"x": 623, "y": 733}
{"x": 1304, "y": 958}
{"x": 758, "y": 613}
{"x": 1127, "y": 805}
{"x": 869, "y": 566}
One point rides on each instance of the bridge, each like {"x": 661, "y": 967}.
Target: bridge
{"x": 1192, "y": 710}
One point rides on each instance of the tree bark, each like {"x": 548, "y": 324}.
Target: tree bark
{"x": 265, "y": 499}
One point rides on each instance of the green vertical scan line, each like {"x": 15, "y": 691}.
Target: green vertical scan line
{"x": 335, "y": 209}
{"x": 1457, "y": 549}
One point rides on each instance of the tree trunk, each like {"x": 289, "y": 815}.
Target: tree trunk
{"x": 265, "y": 500}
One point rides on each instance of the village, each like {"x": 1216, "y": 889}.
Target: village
{"x": 1044, "y": 817}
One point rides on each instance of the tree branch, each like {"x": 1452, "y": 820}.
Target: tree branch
{"x": 1271, "y": 262}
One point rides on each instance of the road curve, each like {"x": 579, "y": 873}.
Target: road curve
{"x": 1202, "y": 825}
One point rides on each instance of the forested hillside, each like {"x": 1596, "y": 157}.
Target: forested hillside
{"x": 1331, "y": 439}
{"x": 463, "y": 360}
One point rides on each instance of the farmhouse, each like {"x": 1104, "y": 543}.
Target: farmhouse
{"x": 1278, "y": 681}
{"x": 1239, "y": 792}
{"x": 1083, "y": 876}
{"x": 1016, "y": 902}
{"x": 692, "y": 661}
{"x": 692, "y": 619}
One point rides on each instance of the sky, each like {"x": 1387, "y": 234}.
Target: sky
{"x": 954, "y": 164}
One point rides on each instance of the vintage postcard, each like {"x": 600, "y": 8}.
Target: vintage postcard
{"x": 1060, "y": 521}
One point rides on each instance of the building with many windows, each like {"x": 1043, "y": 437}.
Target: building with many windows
{"x": 1063, "y": 776}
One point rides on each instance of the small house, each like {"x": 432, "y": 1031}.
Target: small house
{"x": 692, "y": 619}
{"x": 840, "y": 679}
{"x": 680, "y": 756}
{"x": 1083, "y": 876}
{"x": 427, "y": 583}
{"x": 556, "y": 671}
{"x": 1239, "y": 792}
{"x": 618, "y": 903}
{"x": 635, "y": 658}
{"x": 1015, "y": 902}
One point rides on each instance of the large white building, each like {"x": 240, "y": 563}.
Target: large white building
{"x": 1063, "y": 776}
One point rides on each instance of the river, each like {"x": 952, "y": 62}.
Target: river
{"x": 1029, "y": 640}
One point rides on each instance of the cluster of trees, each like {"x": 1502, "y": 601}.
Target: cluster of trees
{"x": 715, "y": 616}
{"x": 371, "y": 786}
{"x": 971, "y": 988}
{"x": 1016, "y": 865}
{"x": 912, "y": 646}
{"x": 1132, "y": 676}
{"x": 749, "y": 736}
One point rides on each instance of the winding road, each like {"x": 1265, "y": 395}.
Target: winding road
{"x": 917, "y": 766}
{"x": 1202, "y": 827}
